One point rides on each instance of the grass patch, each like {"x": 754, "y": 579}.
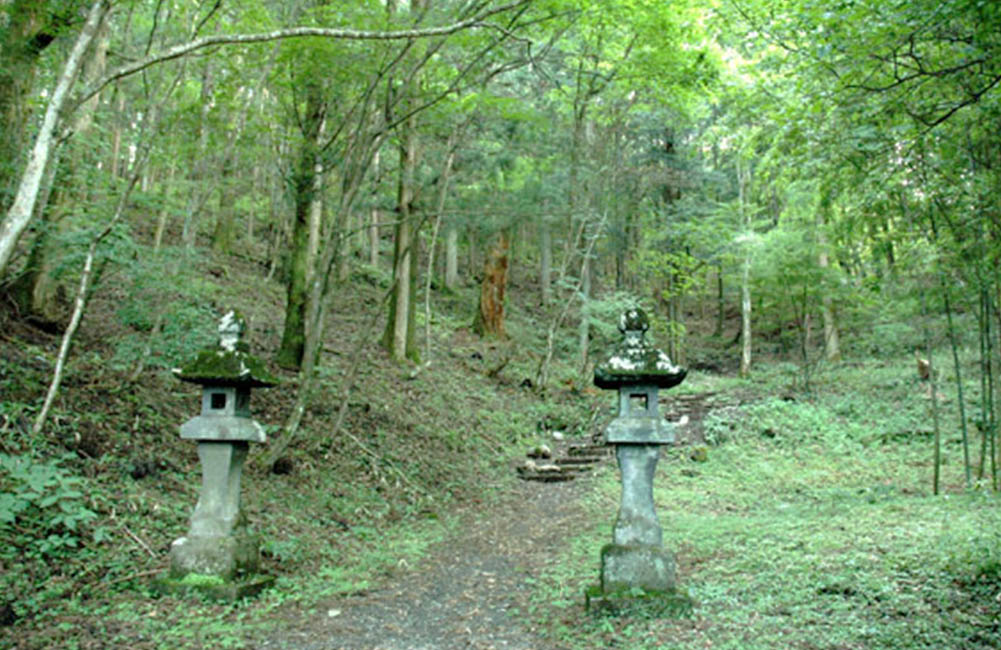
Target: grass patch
{"x": 806, "y": 528}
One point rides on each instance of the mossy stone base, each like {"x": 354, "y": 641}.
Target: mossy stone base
{"x": 636, "y": 566}
{"x": 638, "y": 602}
{"x": 226, "y": 556}
{"x": 213, "y": 587}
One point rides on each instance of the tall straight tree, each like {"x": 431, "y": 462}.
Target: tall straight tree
{"x": 306, "y": 188}
{"x": 400, "y": 336}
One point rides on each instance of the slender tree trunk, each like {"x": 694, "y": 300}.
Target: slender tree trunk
{"x": 189, "y": 231}
{"x": 720, "y": 304}
{"x": 451, "y": 255}
{"x": 832, "y": 348}
{"x": 398, "y": 338}
{"x": 933, "y": 395}
{"x": 375, "y": 215}
{"x": 316, "y": 206}
{"x": 676, "y": 320}
{"x": 446, "y": 174}
{"x": 373, "y": 237}
{"x": 398, "y": 325}
{"x": 959, "y": 380}
{"x": 305, "y": 232}
{"x": 22, "y": 209}
{"x": 992, "y": 429}
{"x": 348, "y": 245}
{"x": 164, "y": 211}
{"x": 224, "y": 234}
{"x": 255, "y": 179}
{"x": 116, "y": 133}
{"x": 546, "y": 261}
{"x": 745, "y": 317}
{"x": 584, "y": 326}
{"x": 745, "y": 282}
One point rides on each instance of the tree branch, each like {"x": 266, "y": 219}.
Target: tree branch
{"x": 293, "y": 32}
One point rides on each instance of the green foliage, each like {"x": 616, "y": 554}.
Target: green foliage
{"x": 169, "y": 307}
{"x": 802, "y": 526}
{"x": 200, "y": 580}
{"x": 603, "y": 314}
{"x": 43, "y": 510}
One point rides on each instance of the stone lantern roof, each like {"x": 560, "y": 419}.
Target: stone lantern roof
{"x": 231, "y": 364}
{"x": 635, "y": 361}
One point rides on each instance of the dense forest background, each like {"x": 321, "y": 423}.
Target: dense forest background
{"x": 809, "y": 183}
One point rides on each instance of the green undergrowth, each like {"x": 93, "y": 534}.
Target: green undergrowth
{"x": 89, "y": 509}
{"x": 812, "y": 524}
{"x": 146, "y": 619}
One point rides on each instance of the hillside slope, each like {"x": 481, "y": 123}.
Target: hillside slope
{"x": 115, "y": 484}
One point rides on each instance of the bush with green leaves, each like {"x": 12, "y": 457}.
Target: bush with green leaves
{"x": 42, "y": 509}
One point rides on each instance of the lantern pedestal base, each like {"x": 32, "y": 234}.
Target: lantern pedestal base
{"x": 225, "y": 557}
{"x": 638, "y": 603}
{"x": 221, "y": 567}
{"x": 638, "y": 566}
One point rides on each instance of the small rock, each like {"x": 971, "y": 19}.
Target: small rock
{"x": 541, "y": 451}
{"x": 532, "y": 466}
{"x": 333, "y": 613}
{"x": 558, "y": 436}
{"x": 683, "y": 421}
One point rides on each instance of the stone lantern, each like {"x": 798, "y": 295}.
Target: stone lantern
{"x": 219, "y": 552}
{"x": 636, "y": 557}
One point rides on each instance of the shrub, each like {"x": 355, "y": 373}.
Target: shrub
{"x": 42, "y": 508}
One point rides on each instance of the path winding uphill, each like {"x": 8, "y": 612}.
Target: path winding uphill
{"x": 465, "y": 594}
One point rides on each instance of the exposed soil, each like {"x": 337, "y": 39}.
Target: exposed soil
{"x": 470, "y": 592}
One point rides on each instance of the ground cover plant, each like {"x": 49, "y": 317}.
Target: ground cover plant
{"x": 811, "y": 524}
{"x": 89, "y": 512}
{"x": 432, "y": 214}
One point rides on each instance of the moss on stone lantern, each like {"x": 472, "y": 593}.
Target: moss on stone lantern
{"x": 219, "y": 554}
{"x": 636, "y": 558}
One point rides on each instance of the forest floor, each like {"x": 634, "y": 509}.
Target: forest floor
{"x": 798, "y": 502}
{"x": 470, "y": 591}
{"x": 424, "y": 454}
{"x": 475, "y": 588}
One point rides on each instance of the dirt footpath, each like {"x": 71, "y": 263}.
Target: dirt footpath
{"x": 464, "y": 594}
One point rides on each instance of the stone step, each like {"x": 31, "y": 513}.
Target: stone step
{"x": 598, "y": 451}
{"x": 578, "y": 461}
{"x": 546, "y": 475}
